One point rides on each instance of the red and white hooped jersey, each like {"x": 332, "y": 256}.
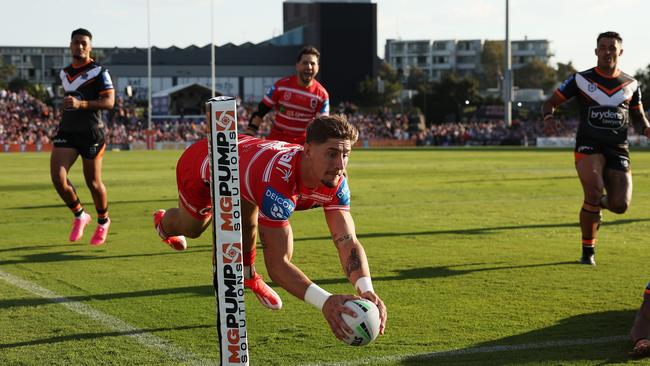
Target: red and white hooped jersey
{"x": 269, "y": 173}
{"x": 295, "y": 106}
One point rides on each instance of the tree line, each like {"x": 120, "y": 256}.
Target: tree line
{"x": 453, "y": 96}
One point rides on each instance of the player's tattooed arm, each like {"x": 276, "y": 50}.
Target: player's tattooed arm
{"x": 341, "y": 239}
{"x": 353, "y": 262}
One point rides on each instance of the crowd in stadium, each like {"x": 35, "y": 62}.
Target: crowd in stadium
{"x": 25, "y": 119}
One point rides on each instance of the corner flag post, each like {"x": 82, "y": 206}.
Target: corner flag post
{"x": 227, "y": 262}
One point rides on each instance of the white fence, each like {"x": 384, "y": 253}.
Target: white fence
{"x": 635, "y": 140}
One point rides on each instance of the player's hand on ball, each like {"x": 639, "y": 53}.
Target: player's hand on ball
{"x": 332, "y": 310}
{"x": 383, "y": 315}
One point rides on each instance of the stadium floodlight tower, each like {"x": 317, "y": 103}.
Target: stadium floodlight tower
{"x": 507, "y": 80}
{"x": 212, "y": 65}
{"x": 149, "y": 127}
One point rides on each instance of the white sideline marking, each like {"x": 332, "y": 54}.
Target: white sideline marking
{"x": 475, "y": 350}
{"x": 149, "y": 340}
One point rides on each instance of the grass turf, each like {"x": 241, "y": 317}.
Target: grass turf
{"x": 469, "y": 248}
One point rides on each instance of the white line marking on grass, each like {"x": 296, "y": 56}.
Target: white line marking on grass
{"x": 140, "y": 335}
{"x": 475, "y": 350}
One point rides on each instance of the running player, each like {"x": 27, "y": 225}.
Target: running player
{"x": 640, "y": 332}
{"x": 88, "y": 89}
{"x": 278, "y": 178}
{"x": 607, "y": 98}
{"x": 297, "y": 100}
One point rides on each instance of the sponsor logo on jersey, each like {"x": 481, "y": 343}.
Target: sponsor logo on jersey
{"x": 606, "y": 117}
{"x": 592, "y": 87}
{"x": 343, "y": 193}
{"x": 284, "y": 164}
{"x": 276, "y": 206}
{"x": 585, "y": 149}
{"x": 286, "y": 173}
{"x": 625, "y": 163}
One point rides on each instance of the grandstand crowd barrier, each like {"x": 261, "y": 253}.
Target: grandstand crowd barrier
{"x": 634, "y": 140}
{"x": 384, "y": 143}
{"x": 25, "y": 147}
{"x": 541, "y": 142}
{"x": 181, "y": 145}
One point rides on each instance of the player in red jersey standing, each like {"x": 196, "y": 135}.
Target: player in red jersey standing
{"x": 88, "y": 89}
{"x": 278, "y": 178}
{"x": 297, "y": 100}
{"x": 608, "y": 98}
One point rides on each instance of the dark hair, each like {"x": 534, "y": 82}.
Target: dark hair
{"x": 610, "y": 34}
{"x": 82, "y": 32}
{"x": 308, "y": 50}
{"x": 335, "y": 126}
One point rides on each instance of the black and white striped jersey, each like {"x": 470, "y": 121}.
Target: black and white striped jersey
{"x": 86, "y": 82}
{"x": 604, "y": 102}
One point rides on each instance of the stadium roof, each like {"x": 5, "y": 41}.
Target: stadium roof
{"x": 227, "y": 54}
{"x": 174, "y": 89}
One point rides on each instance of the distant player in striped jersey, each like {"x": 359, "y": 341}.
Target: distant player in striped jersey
{"x": 88, "y": 89}
{"x": 640, "y": 332}
{"x": 278, "y": 178}
{"x": 296, "y": 99}
{"x": 608, "y": 99}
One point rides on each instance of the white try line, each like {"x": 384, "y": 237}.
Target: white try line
{"x": 140, "y": 335}
{"x": 474, "y": 350}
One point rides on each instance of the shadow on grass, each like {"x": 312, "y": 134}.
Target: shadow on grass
{"x": 595, "y": 338}
{"x": 443, "y": 271}
{"x": 208, "y": 290}
{"x": 34, "y": 247}
{"x": 475, "y": 231}
{"x": 90, "y": 336}
{"x": 202, "y": 291}
{"x": 45, "y": 185}
{"x": 112, "y": 203}
{"x": 498, "y": 179}
{"x": 75, "y": 255}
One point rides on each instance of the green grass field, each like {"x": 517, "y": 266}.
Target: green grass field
{"x": 472, "y": 250}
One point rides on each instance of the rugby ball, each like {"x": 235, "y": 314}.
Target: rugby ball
{"x": 365, "y": 327}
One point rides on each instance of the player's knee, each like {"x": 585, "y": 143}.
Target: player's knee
{"x": 58, "y": 178}
{"x": 58, "y": 181}
{"x": 618, "y": 207}
{"x": 276, "y": 267}
{"x": 193, "y": 233}
{"x": 592, "y": 196}
{"x": 94, "y": 184}
{"x": 249, "y": 229}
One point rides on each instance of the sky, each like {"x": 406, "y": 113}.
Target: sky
{"x": 570, "y": 25}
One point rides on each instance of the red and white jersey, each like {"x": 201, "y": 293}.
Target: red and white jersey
{"x": 295, "y": 107}
{"x": 269, "y": 173}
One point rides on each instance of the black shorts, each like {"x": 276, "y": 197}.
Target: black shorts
{"x": 617, "y": 157}
{"x": 90, "y": 144}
